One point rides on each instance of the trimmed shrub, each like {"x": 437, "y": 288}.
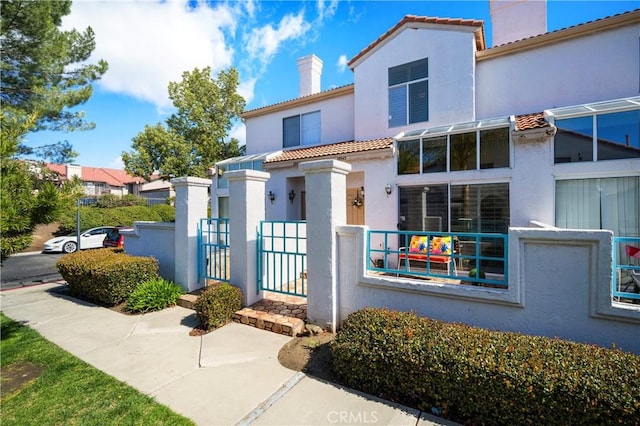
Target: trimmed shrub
{"x": 216, "y": 305}
{"x": 479, "y": 376}
{"x": 104, "y": 275}
{"x": 154, "y": 295}
{"x": 92, "y": 217}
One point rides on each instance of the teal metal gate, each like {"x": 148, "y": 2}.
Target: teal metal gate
{"x": 282, "y": 257}
{"x": 213, "y": 249}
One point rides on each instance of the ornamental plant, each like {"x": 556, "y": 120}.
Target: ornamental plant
{"x": 154, "y": 295}
{"x": 216, "y": 305}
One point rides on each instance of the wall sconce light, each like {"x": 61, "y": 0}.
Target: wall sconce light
{"x": 271, "y": 196}
{"x": 387, "y": 189}
{"x": 357, "y": 202}
{"x": 292, "y": 195}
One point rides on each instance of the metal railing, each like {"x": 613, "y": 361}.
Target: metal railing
{"x": 282, "y": 257}
{"x": 483, "y": 255}
{"x": 626, "y": 268}
{"x": 213, "y": 249}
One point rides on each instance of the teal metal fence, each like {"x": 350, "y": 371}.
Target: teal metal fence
{"x": 626, "y": 268}
{"x": 475, "y": 258}
{"x": 213, "y": 249}
{"x": 282, "y": 257}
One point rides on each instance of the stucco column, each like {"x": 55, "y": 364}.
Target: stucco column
{"x": 191, "y": 206}
{"x": 326, "y": 186}
{"x": 246, "y": 207}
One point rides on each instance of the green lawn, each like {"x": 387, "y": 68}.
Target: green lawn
{"x": 64, "y": 389}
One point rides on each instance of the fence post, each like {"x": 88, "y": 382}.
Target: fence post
{"x": 326, "y": 186}
{"x": 191, "y": 206}
{"x": 247, "y": 209}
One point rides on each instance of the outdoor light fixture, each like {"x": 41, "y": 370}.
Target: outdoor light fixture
{"x": 271, "y": 196}
{"x": 387, "y": 189}
{"x": 357, "y": 202}
{"x": 292, "y": 195}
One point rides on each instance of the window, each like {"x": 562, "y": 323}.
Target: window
{"x": 301, "y": 129}
{"x": 454, "y": 151}
{"x": 409, "y": 93}
{"x": 600, "y": 203}
{"x": 466, "y": 208}
{"x": 472, "y": 208}
{"x": 597, "y": 137}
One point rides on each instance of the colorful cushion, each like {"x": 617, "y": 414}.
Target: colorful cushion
{"x": 441, "y": 245}
{"x": 418, "y": 244}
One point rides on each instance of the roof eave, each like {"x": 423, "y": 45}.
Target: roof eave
{"x": 560, "y": 35}
{"x": 317, "y": 97}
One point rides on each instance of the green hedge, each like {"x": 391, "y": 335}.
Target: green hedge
{"x": 216, "y": 305}
{"x": 485, "y": 377}
{"x": 92, "y": 217}
{"x": 105, "y": 275}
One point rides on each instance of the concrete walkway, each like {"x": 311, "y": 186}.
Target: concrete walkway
{"x": 227, "y": 377}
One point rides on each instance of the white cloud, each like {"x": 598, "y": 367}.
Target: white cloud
{"x": 239, "y": 131}
{"x": 117, "y": 163}
{"x": 342, "y": 63}
{"x": 148, "y": 44}
{"x": 326, "y": 11}
{"x": 245, "y": 89}
{"x": 264, "y": 42}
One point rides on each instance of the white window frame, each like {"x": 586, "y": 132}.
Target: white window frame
{"x": 407, "y": 98}
{"x": 305, "y": 137}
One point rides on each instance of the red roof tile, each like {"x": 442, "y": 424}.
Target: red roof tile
{"x": 410, "y": 19}
{"x": 112, "y": 177}
{"x": 531, "y": 121}
{"x": 340, "y": 148}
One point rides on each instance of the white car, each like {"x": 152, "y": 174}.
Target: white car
{"x": 91, "y": 238}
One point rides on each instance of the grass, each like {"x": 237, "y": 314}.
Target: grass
{"x": 66, "y": 390}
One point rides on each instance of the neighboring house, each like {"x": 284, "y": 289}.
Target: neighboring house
{"x": 98, "y": 181}
{"x": 445, "y": 134}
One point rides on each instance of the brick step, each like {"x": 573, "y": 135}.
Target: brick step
{"x": 276, "y": 323}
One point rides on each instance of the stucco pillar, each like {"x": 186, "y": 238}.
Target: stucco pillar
{"x": 326, "y": 186}
{"x": 246, "y": 207}
{"x": 191, "y": 206}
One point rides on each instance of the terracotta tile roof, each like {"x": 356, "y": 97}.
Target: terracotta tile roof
{"x": 336, "y": 91}
{"x": 531, "y": 121}
{"x": 112, "y": 177}
{"x": 413, "y": 19}
{"x": 339, "y": 148}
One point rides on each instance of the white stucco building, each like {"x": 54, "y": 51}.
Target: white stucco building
{"x": 444, "y": 134}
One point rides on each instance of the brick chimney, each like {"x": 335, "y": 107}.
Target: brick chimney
{"x": 310, "y": 70}
{"x": 513, "y": 20}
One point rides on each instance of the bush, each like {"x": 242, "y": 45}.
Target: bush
{"x": 104, "y": 275}
{"x": 92, "y": 217}
{"x": 216, "y": 305}
{"x": 478, "y": 376}
{"x": 154, "y": 295}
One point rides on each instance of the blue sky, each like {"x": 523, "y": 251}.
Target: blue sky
{"x": 149, "y": 43}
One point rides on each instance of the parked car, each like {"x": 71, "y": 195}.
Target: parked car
{"x": 114, "y": 238}
{"x": 91, "y": 238}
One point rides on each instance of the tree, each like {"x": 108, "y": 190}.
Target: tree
{"x": 43, "y": 73}
{"x": 42, "y": 68}
{"x": 194, "y": 138}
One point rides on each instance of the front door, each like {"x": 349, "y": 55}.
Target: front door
{"x": 355, "y": 207}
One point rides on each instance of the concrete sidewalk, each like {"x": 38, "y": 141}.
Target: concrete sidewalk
{"x": 226, "y": 377}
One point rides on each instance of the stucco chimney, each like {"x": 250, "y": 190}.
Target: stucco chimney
{"x": 73, "y": 170}
{"x": 310, "y": 70}
{"x": 513, "y": 20}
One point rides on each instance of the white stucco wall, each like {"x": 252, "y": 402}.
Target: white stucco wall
{"x": 264, "y": 133}
{"x": 155, "y": 239}
{"x": 600, "y": 66}
{"x": 451, "y": 79}
{"x": 569, "y": 297}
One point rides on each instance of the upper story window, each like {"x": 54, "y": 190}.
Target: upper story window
{"x": 420, "y": 152}
{"x": 596, "y": 132}
{"x": 409, "y": 93}
{"x": 303, "y": 129}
